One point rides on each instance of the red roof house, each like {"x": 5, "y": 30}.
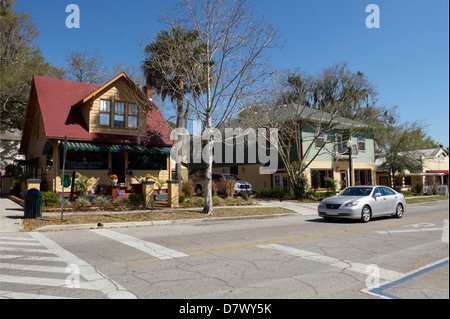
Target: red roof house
{"x": 111, "y": 129}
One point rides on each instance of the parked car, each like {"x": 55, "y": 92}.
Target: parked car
{"x": 240, "y": 186}
{"x": 364, "y": 203}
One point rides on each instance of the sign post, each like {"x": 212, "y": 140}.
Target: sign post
{"x": 63, "y": 174}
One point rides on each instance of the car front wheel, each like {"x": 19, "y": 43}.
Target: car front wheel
{"x": 366, "y": 214}
{"x": 399, "y": 211}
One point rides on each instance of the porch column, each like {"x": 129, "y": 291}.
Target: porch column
{"x": 33, "y": 183}
{"x": 148, "y": 193}
{"x": 172, "y": 198}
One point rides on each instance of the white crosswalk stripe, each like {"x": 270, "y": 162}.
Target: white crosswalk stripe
{"x": 152, "y": 249}
{"x": 331, "y": 261}
{"x": 22, "y": 267}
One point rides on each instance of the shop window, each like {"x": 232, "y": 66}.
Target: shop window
{"x": 147, "y": 162}
{"x": 363, "y": 177}
{"x": 398, "y": 181}
{"x": 324, "y": 174}
{"x": 85, "y": 160}
{"x": 408, "y": 181}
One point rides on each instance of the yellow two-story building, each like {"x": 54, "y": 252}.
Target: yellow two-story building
{"x": 112, "y": 129}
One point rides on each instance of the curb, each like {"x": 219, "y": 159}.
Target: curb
{"x": 153, "y": 223}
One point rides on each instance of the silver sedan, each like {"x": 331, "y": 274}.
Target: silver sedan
{"x": 363, "y": 202}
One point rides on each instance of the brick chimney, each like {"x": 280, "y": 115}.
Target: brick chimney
{"x": 148, "y": 91}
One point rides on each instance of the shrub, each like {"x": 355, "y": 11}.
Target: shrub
{"x": 228, "y": 187}
{"x": 262, "y": 193}
{"x": 419, "y": 188}
{"x": 315, "y": 180}
{"x": 214, "y": 188}
{"x": 188, "y": 189}
{"x": 216, "y": 200}
{"x": 82, "y": 202}
{"x": 331, "y": 185}
{"x": 300, "y": 190}
{"x": 245, "y": 196}
{"x": 135, "y": 199}
{"x": 122, "y": 201}
{"x": 67, "y": 202}
{"x": 101, "y": 200}
{"x": 49, "y": 199}
{"x": 181, "y": 197}
{"x": 199, "y": 201}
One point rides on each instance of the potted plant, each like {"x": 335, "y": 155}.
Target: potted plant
{"x": 148, "y": 178}
{"x": 158, "y": 181}
{"x": 114, "y": 179}
{"x": 83, "y": 183}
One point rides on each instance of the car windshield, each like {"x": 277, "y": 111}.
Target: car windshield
{"x": 236, "y": 177}
{"x": 356, "y": 191}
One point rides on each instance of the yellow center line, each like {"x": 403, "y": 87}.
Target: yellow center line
{"x": 297, "y": 238}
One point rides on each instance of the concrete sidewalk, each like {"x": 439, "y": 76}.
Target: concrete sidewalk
{"x": 11, "y": 216}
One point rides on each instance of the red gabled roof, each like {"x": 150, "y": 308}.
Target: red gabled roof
{"x": 57, "y": 99}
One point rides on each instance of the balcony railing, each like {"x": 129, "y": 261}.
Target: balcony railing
{"x": 341, "y": 151}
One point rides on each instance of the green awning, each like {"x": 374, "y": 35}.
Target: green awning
{"x": 118, "y": 148}
{"x": 48, "y": 149}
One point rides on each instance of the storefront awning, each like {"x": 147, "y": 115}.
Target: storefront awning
{"x": 118, "y": 148}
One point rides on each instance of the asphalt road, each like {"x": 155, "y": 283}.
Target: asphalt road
{"x": 290, "y": 257}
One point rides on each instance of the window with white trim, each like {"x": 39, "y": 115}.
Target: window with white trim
{"x": 119, "y": 114}
{"x": 320, "y": 137}
{"x": 105, "y": 112}
{"x": 361, "y": 142}
{"x": 132, "y": 115}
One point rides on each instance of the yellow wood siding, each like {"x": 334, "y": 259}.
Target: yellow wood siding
{"x": 116, "y": 92}
{"x": 37, "y": 139}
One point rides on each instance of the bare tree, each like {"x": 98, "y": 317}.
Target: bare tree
{"x": 335, "y": 102}
{"x": 85, "y": 67}
{"x": 233, "y": 68}
{"x": 399, "y": 147}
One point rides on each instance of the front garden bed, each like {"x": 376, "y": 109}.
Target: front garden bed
{"x": 105, "y": 203}
{"x": 156, "y": 215}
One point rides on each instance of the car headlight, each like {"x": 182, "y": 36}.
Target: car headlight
{"x": 352, "y": 203}
{"x": 322, "y": 203}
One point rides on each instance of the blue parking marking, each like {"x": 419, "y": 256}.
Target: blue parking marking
{"x": 379, "y": 290}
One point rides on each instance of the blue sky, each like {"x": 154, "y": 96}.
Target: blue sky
{"x": 407, "y": 58}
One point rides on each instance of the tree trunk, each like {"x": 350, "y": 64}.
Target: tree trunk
{"x": 180, "y": 124}
{"x": 208, "y": 207}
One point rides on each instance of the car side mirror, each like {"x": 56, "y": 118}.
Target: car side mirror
{"x": 376, "y": 195}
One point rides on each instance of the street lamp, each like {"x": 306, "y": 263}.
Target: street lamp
{"x": 350, "y": 146}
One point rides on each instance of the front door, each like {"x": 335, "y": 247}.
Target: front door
{"x": 344, "y": 183}
{"x": 118, "y": 166}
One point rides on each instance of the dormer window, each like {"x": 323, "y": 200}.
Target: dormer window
{"x": 105, "y": 113}
{"x": 119, "y": 114}
{"x": 132, "y": 115}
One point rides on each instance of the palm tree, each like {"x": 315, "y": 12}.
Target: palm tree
{"x": 168, "y": 68}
